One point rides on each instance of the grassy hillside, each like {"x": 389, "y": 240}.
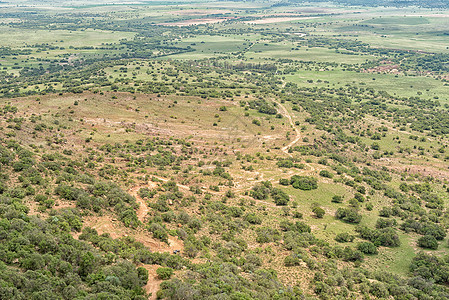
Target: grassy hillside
{"x": 235, "y": 150}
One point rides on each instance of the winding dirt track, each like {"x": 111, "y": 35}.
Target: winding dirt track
{"x": 286, "y": 114}
{"x": 154, "y": 282}
{"x": 143, "y": 210}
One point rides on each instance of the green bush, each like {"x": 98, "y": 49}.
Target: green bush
{"x": 267, "y": 235}
{"x": 284, "y": 181}
{"x": 260, "y": 191}
{"x": 304, "y": 183}
{"x": 164, "y": 273}
{"x": 428, "y": 242}
{"x": 367, "y": 248}
{"x": 292, "y": 260}
{"x": 344, "y": 237}
{"x": 326, "y": 173}
{"x": 253, "y": 218}
{"x": 319, "y": 212}
{"x": 256, "y": 122}
{"x": 337, "y": 199}
{"x": 349, "y": 215}
{"x": 279, "y": 196}
{"x": 386, "y": 237}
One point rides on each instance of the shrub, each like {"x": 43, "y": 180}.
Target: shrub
{"x": 344, "y": 237}
{"x": 301, "y": 227}
{"x": 164, "y": 273}
{"x": 359, "y": 197}
{"x": 388, "y": 237}
{"x": 430, "y": 267}
{"x": 384, "y": 223}
{"x": 292, "y": 260}
{"x": 256, "y": 122}
{"x": 297, "y": 215}
{"x": 129, "y": 218}
{"x": 326, "y": 173}
{"x": 159, "y": 232}
{"x": 280, "y": 197}
{"x": 433, "y": 229}
{"x": 349, "y": 215}
{"x": 380, "y": 237}
{"x": 428, "y": 242}
{"x": 367, "y": 248}
{"x": 142, "y": 273}
{"x": 253, "y": 218}
{"x": 285, "y": 163}
{"x": 267, "y": 235}
{"x": 386, "y": 212}
{"x": 352, "y": 255}
{"x": 260, "y": 192}
{"x": 304, "y": 183}
{"x": 319, "y": 212}
{"x": 337, "y": 199}
{"x": 284, "y": 181}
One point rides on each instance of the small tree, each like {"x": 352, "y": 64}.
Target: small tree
{"x": 257, "y": 122}
{"x": 349, "y": 215}
{"x": 337, "y": 199}
{"x": 319, "y": 212}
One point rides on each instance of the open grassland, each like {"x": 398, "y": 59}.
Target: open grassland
{"x": 406, "y": 86}
{"x": 20, "y": 38}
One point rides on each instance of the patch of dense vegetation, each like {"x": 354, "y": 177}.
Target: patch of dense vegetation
{"x": 40, "y": 259}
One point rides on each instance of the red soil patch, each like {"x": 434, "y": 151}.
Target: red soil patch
{"x": 197, "y": 21}
{"x": 108, "y": 224}
{"x": 277, "y": 20}
{"x": 199, "y": 12}
{"x": 154, "y": 282}
{"x": 385, "y": 67}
